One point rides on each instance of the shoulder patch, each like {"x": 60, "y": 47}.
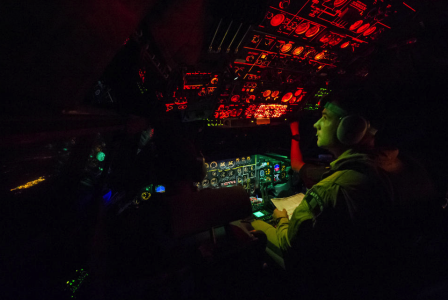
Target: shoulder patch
{"x": 315, "y": 202}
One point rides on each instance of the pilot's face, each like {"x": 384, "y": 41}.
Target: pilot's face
{"x": 327, "y": 127}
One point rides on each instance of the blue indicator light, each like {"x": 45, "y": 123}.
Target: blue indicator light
{"x": 107, "y": 196}
{"x": 276, "y": 167}
{"x": 160, "y": 189}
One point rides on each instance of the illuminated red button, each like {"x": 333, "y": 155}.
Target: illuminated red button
{"x": 312, "y": 31}
{"x": 277, "y": 19}
{"x": 286, "y": 97}
{"x": 363, "y": 28}
{"x": 302, "y": 28}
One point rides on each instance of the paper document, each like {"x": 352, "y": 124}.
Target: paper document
{"x": 288, "y": 203}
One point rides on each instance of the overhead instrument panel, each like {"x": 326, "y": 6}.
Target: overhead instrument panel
{"x": 279, "y": 62}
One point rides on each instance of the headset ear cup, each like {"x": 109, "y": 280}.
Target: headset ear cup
{"x": 352, "y": 129}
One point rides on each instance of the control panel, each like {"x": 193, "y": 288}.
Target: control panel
{"x": 250, "y": 172}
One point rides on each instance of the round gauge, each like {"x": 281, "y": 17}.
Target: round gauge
{"x": 286, "y": 97}
{"x": 336, "y": 40}
{"x": 214, "y": 181}
{"x": 298, "y": 50}
{"x": 207, "y": 165}
{"x": 286, "y": 47}
{"x": 363, "y": 28}
{"x": 293, "y": 100}
{"x": 369, "y": 31}
{"x": 205, "y": 183}
{"x": 277, "y": 19}
{"x": 312, "y": 31}
{"x": 319, "y": 56}
{"x": 239, "y": 171}
{"x": 325, "y": 39}
{"x": 339, "y": 2}
{"x": 261, "y": 173}
{"x": 302, "y": 28}
{"x": 251, "y": 98}
{"x": 298, "y": 92}
{"x": 235, "y": 98}
{"x": 345, "y": 45}
{"x": 146, "y": 195}
{"x": 214, "y": 81}
{"x": 214, "y": 174}
{"x": 355, "y": 25}
{"x": 266, "y": 93}
{"x": 275, "y": 94}
{"x": 223, "y": 174}
{"x": 213, "y": 165}
{"x": 230, "y": 173}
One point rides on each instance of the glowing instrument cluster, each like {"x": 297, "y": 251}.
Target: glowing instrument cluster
{"x": 294, "y": 43}
{"x": 231, "y": 172}
{"x": 197, "y": 92}
{"x": 246, "y": 171}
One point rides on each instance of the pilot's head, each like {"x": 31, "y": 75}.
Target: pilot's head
{"x": 345, "y": 121}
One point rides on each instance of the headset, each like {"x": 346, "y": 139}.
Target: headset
{"x": 352, "y": 127}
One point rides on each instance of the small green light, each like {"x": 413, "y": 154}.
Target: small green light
{"x": 65, "y": 149}
{"x": 71, "y": 283}
{"x": 100, "y": 170}
{"x": 82, "y": 269}
{"x": 68, "y": 282}
{"x": 100, "y": 156}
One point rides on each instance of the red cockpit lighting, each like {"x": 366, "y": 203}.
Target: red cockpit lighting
{"x": 275, "y": 94}
{"x": 312, "y": 31}
{"x": 339, "y": 2}
{"x": 235, "y": 98}
{"x": 302, "y": 28}
{"x": 298, "y": 92}
{"x": 270, "y": 111}
{"x": 266, "y": 93}
{"x": 369, "y": 31}
{"x": 286, "y": 97}
{"x": 363, "y": 28}
{"x": 286, "y": 47}
{"x": 319, "y": 56}
{"x": 355, "y": 25}
{"x": 277, "y": 19}
{"x": 345, "y": 45}
{"x": 298, "y": 50}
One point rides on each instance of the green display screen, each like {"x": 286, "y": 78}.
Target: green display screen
{"x": 258, "y": 214}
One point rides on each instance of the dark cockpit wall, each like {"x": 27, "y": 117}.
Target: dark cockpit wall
{"x": 84, "y": 86}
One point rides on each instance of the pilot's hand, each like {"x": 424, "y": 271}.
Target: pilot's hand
{"x": 277, "y": 214}
{"x": 294, "y": 128}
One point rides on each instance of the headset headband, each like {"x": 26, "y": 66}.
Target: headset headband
{"x": 336, "y": 109}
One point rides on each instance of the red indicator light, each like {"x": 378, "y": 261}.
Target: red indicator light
{"x": 335, "y": 41}
{"x": 287, "y": 97}
{"x": 298, "y": 50}
{"x": 302, "y": 28}
{"x": 325, "y": 39}
{"x": 275, "y": 94}
{"x": 345, "y": 45}
{"x": 251, "y": 98}
{"x": 293, "y": 99}
{"x": 266, "y": 93}
{"x": 235, "y": 98}
{"x": 319, "y": 56}
{"x": 363, "y": 28}
{"x": 369, "y": 31}
{"x": 298, "y": 92}
{"x": 277, "y": 19}
{"x": 312, "y": 31}
{"x": 285, "y": 48}
{"x": 355, "y": 25}
{"x": 339, "y": 2}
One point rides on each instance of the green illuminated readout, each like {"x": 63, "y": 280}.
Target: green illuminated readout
{"x": 258, "y": 214}
{"x": 100, "y": 156}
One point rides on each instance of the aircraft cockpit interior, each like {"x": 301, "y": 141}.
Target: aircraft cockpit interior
{"x": 207, "y": 149}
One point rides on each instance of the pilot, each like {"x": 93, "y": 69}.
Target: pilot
{"x": 341, "y": 239}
